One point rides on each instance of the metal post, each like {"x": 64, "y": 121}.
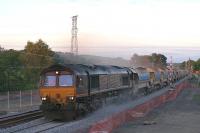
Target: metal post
{"x": 20, "y": 99}
{"x": 8, "y": 100}
{"x": 74, "y": 40}
{"x": 31, "y": 97}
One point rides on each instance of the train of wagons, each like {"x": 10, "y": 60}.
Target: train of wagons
{"x": 70, "y": 90}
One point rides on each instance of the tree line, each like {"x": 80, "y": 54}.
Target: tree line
{"x": 154, "y": 60}
{"x": 20, "y": 70}
{"x": 191, "y": 64}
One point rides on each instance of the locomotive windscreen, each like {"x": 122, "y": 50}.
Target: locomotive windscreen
{"x": 65, "y": 80}
{"x": 52, "y": 79}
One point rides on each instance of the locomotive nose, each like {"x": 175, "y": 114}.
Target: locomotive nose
{"x": 58, "y": 95}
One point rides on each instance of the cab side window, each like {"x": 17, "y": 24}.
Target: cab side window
{"x": 94, "y": 81}
{"x": 125, "y": 80}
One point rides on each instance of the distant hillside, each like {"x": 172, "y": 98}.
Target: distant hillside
{"x": 91, "y": 59}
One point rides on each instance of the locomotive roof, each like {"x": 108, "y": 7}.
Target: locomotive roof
{"x": 81, "y": 69}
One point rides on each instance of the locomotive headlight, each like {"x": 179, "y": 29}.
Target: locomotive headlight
{"x": 71, "y": 98}
{"x": 57, "y": 72}
{"x": 44, "y": 98}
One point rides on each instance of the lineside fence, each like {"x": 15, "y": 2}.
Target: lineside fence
{"x": 18, "y": 101}
{"x": 18, "y": 88}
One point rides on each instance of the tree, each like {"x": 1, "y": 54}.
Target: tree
{"x": 158, "y": 60}
{"x": 21, "y": 69}
{"x": 10, "y": 69}
{"x": 153, "y": 60}
{"x": 38, "y": 54}
{"x": 183, "y": 65}
{"x": 189, "y": 63}
{"x": 196, "y": 65}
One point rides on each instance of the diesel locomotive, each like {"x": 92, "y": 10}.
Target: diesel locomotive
{"x": 70, "y": 90}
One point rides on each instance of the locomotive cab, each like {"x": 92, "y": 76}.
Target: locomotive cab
{"x": 57, "y": 86}
{"x": 58, "y": 93}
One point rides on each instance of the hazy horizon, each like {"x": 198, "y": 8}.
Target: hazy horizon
{"x": 109, "y": 28}
{"x": 178, "y": 54}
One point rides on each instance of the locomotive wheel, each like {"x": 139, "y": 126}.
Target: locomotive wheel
{"x": 96, "y": 103}
{"x": 147, "y": 90}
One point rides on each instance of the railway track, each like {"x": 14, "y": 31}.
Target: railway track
{"x": 30, "y": 128}
{"x": 49, "y": 126}
{"x": 13, "y": 120}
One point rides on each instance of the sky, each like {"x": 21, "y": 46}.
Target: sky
{"x": 112, "y": 28}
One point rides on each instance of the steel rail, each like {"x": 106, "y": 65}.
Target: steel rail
{"x": 12, "y": 120}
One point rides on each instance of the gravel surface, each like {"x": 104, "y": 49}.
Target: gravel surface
{"x": 26, "y": 125}
{"x": 179, "y": 116}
